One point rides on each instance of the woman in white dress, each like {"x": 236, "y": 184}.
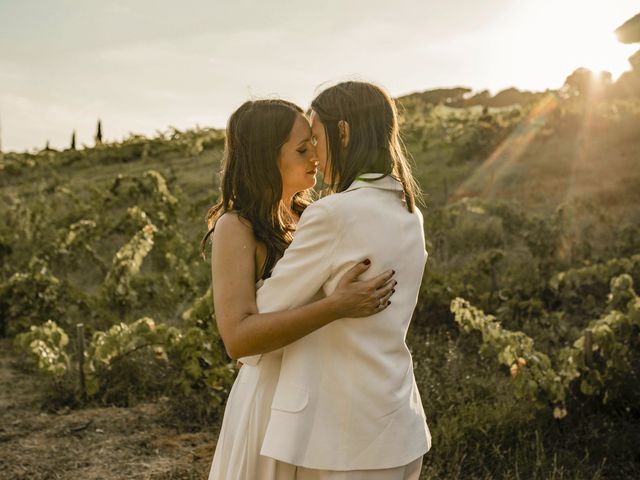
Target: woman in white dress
{"x": 269, "y": 165}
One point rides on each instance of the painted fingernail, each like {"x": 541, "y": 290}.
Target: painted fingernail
{"x": 367, "y": 261}
{"x": 393, "y": 291}
{"x": 393, "y": 272}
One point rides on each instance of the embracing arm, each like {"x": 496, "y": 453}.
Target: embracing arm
{"x": 246, "y": 332}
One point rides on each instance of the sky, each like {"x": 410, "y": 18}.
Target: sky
{"x": 142, "y": 66}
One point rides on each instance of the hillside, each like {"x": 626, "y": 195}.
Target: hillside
{"x": 551, "y": 153}
{"x": 544, "y": 154}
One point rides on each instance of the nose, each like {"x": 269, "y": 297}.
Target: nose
{"x": 314, "y": 164}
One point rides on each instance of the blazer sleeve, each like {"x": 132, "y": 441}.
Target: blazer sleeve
{"x": 305, "y": 265}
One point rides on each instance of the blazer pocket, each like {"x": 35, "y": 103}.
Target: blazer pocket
{"x": 290, "y": 398}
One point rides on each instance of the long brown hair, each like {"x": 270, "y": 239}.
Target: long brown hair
{"x": 251, "y": 184}
{"x": 374, "y": 145}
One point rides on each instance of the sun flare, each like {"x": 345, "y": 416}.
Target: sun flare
{"x": 557, "y": 38}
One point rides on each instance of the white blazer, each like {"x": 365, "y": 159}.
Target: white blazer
{"x": 346, "y": 398}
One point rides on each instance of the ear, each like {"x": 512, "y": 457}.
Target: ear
{"x": 343, "y": 126}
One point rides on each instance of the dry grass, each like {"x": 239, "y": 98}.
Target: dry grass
{"x": 140, "y": 442}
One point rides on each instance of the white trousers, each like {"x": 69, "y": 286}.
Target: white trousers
{"x": 411, "y": 471}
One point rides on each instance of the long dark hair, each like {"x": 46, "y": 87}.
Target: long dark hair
{"x": 374, "y": 136}
{"x": 251, "y": 184}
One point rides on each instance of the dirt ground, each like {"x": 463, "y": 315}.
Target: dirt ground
{"x": 94, "y": 443}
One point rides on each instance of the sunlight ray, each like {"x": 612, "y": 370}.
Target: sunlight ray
{"x": 485, "y": 177}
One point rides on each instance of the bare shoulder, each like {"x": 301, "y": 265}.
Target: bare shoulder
{"x": 231, "y": 226}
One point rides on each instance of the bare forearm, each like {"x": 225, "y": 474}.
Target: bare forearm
{"x": 265, "y": 332}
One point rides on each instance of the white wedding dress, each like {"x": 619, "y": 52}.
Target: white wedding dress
{"x": 237, "y": 455}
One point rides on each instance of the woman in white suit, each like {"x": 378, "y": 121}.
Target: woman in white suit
{"x": 346, "y": 405}
{"x": 269, "y": 165}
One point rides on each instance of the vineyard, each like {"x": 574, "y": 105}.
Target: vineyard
{"x": 526, "y": 339}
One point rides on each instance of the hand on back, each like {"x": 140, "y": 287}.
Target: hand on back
{"x": 361, "y": 298}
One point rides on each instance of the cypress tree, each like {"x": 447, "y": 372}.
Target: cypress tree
{"x": 73, "y": 140}
{"x": 99, "y": 133}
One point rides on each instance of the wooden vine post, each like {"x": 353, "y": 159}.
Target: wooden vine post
{"x": 80, "y": 335}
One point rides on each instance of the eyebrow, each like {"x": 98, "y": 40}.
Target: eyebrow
{"x": 303, "y": 141}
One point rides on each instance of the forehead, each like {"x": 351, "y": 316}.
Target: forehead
{"x": 300, "y": 129}
{"x": 314, "y": 119}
